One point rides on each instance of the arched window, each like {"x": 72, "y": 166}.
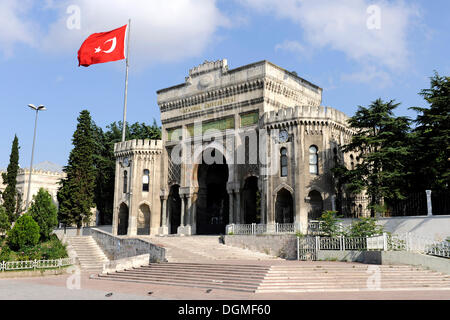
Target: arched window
{"x": 284, "y": 162}
{"x": 145, "y": 180}
{"x": 313, "y": 160}
{"x": 125, "y": 181}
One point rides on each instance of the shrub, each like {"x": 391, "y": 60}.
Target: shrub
{"x": 25, "y": 233}
{"x": 329, "y": 224}
{"x": 53, "y": 249}
{"x": 44, "y": 212}
{"x": 365, "y": 227}
{"x": 5, "y": 253}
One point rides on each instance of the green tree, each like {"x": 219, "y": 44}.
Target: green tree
{"x": 431, "y": 143}
{"x": 5, "y": 225}
{"x": 382, "y": 142}
{"x": 44, "y": 212}
{"x": 10, "y": 180}
{"x": 76, "y": 194}
{"x": 329, "y": 224}
{"x": 25, "y": 233}
{"x": 365, "y": 227}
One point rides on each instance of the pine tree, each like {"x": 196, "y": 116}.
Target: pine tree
{"x": 382, "y": 142}
{"x": 432, "y": 137}
{"x": 44, "y": 212}
{"x": 76, "y": 194}
{"x": 10, "y": 179}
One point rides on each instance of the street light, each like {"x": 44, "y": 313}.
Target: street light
{"x": 40, "y": 108}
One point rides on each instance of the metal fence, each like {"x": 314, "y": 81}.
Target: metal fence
{"x": 414, "y": 204}
{"x": 35, "y": 264}
{"x": 307, "y": 247}
{"x": 259, "y": 228}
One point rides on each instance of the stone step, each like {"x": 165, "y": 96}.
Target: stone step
{"x": 184, "y": 283}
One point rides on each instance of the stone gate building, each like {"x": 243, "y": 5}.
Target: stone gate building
{"x": 241, "y": 146}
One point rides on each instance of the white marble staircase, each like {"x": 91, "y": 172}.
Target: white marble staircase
{"x": 89, "y": 254}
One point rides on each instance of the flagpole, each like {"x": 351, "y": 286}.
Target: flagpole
{"x": 124, "y": 124}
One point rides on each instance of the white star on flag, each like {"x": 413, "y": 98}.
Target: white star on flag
{"x": 97, "y": 50}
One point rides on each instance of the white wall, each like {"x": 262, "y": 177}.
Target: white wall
{"x": 434, "y": 227}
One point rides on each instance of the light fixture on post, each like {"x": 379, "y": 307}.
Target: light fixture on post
{"x": 37, "y": 109}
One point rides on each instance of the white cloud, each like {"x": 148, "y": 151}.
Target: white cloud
{"x": 369, "y": 74}
{"x": 291, "y": 45}
{"x": 342, "y": 26}
{"x": 16, "y": 29}
{"x": 160, "y": 30}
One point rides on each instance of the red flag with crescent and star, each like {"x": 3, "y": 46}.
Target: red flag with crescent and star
{"x": 103, "y": 47}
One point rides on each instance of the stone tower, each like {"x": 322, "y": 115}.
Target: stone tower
{"x": 137, "y": 203}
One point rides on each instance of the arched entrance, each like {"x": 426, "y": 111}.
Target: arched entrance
{"x": 251, "y": 201}
{"x": 212, "y": 200}
{"x": 122, "y": 227}
{"x": 316, "y": 203}
{"x": 284, "y": 207}
{"x": 143, "y": 221}
{"x": 174, "y": 207}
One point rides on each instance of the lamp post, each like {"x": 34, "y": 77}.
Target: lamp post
{"x": 37, "y": 109}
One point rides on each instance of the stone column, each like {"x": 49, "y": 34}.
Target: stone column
{"x": 231, "y": 207}
{"x": 183, "y": 208}
{"x": 194, "y": 214}
{"x": 429, "y": 205}
{"x": 238, "y": 208}
{"x": 163, "y": 230}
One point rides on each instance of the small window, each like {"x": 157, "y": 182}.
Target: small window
{"x": 145, "y": 180}
{"x": 125, "y": 181}
{"x": 352, "y": 162}
{"x": 313, "y": 160}
{"x": 284, "y": 162}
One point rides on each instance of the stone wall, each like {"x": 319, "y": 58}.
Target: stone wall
{"x": 116, "y": 248}
{"x": 283, "y": 246}
{"x": 388, "y": 258}
{"x": 434, "y": 227}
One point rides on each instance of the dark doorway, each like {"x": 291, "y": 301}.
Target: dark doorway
{"x": 251, "y": 200}
{"x": 316, "y": 202}
{"x": 174, "y": 206}
{"x": 122, "y": 227}
{"x": 212, "y": 201}
{"x": 284, "y": 207}
{"x": 143, "y": 221}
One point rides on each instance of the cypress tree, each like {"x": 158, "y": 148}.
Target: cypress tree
{"x": 76, "y": 194}
{"x": 10, "y": 179}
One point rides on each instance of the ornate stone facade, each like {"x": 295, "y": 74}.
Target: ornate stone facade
{"x": 271, "y": 142}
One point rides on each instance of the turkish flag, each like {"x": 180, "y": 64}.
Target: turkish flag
{"x": 103, "y": 47}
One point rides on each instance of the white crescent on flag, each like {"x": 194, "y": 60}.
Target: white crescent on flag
{"x": 113, "y": 46}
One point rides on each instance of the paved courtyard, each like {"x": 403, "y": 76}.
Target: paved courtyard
{"x": 55, "y": 288}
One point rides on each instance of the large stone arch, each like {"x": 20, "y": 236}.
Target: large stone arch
{"x": 122, "y": 226}
{"x": 212, "y": 202}
{"x": 198, "y": 156}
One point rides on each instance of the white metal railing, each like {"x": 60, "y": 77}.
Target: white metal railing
{"x": 415, "y": 243}
{"x": 35, "y": 264}
{"x": 385, "y": 242}
{"x": 259, "y": 228}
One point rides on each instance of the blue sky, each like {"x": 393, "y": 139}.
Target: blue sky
{"x": 356, "y": 50}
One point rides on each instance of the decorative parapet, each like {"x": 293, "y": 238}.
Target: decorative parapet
{"x": 305, "y": 114}
{"x": 145, "y": 146}
{"x": 209, "y": 66}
